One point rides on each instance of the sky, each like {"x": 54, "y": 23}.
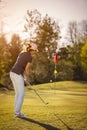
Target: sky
{"x": 12, "y": 12}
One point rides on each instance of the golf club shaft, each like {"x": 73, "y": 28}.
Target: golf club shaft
{"x": 38, "y": 94}
{"x": 40, "y": 97}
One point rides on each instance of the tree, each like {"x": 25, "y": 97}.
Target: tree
{"x": 83, "y": 30}
{"x": 74, "y": 50}
{"x": 3, "y": 46}
{"x": 14, "y": 48}
{"x": 41, "y": 70}
{"x": 45, "y": 35}
{"x": 84, "y": 55}
{"x": 11, "y": 53}
{"x": 65, "y": 70}
{"x": 32, "y": 18}
{"x": 73, "y": 32}
{"x": 45, "y": 31}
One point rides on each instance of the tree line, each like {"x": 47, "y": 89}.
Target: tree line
{"x": 46, "y": 33}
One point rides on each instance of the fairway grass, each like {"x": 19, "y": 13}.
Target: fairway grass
{"x": 67, "y": 108}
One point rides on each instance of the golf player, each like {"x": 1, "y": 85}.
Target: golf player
{"x": 17, "y": 74}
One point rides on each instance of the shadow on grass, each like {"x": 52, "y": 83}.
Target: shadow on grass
{"x": 68, "y": 128}
{"x": 46, "y": 126}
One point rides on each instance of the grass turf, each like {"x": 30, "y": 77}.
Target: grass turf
{"x": 67, "y": 108}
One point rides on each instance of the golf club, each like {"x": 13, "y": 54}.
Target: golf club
{"x": 38, "y": 95}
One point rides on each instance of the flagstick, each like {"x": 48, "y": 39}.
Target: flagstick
{"x": 55, "y": 71}
{"x": 55, "y": 61}
{"x": 55, "y": 79}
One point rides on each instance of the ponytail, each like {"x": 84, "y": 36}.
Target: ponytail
{"x": 28, "y": 47}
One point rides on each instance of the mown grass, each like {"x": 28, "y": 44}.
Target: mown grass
{"x": 67, "y": 108}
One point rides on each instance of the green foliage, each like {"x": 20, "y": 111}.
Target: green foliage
{"x": 77, "y": 52}
{"x": 65, "y": 69}
{"x": 41, "y": 69}
{"x": 14, "y": 49}
{"x": 6, "y": 81}
{"x": 8, "y": 55}
{"x": 84, "y": 55}
{"x": 3, "y": 46}
{"x": 47, "y": 35}
{"x": 2, "y": 70}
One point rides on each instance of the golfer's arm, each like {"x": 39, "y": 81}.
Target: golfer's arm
{"x": 27, "y": 69}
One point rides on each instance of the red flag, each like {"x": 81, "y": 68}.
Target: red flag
{"x": 56, "y": 58}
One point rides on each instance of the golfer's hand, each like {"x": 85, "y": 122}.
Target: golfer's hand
{"x": 27, "y": 81}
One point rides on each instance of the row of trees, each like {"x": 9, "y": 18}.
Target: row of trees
{"x": 45, "y": 32}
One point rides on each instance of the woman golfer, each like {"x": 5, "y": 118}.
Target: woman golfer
{"x": 17, "y": 73}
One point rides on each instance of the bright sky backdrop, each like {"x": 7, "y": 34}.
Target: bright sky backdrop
{"x": 63, "y": 11}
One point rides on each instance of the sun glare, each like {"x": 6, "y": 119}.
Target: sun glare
{"x": 6, "y": 29}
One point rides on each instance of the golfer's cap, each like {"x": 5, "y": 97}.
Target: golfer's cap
{"x": 33, "y": 46}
